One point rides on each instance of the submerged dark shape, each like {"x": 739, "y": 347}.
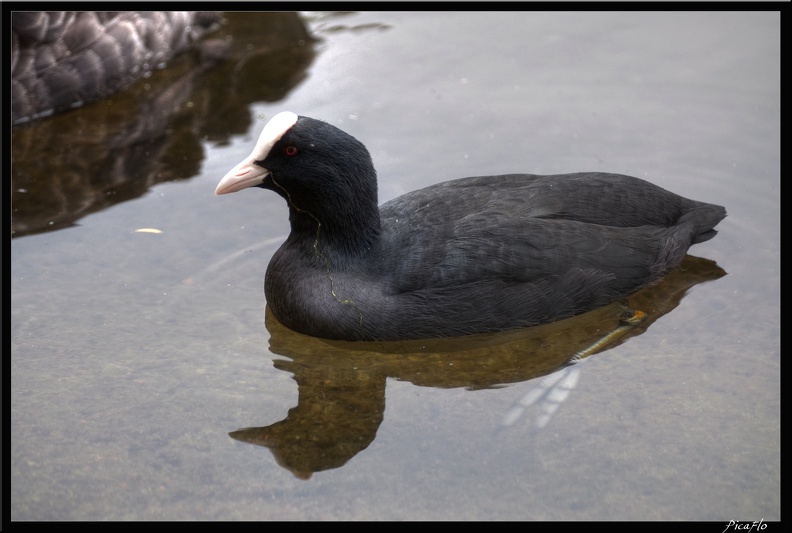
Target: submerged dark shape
{"x": 472, "y": 255}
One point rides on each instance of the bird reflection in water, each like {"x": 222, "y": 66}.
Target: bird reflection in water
{"x": 341, "y": 384}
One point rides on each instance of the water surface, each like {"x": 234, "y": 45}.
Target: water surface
{"x": 147, "y": 383}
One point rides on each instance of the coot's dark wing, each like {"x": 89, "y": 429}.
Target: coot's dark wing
{"x": 522, "y": 229}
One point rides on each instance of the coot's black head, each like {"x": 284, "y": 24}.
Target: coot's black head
{"x": 325, "y": 175}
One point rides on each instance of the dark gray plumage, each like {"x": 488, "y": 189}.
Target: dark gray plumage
{"x": 61, "y": 60}
{"x": 466, "y": 256}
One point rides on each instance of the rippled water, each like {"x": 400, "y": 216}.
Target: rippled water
{"x": 146, "y": 384}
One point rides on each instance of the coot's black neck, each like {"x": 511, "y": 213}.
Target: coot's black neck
{"x": 341, "y": 227}
{"x": 348, "y": 237}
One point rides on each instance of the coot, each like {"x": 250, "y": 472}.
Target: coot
{"x": 471, "y": 255}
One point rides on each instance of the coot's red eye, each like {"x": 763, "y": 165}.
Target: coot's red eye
{"x": 290, "y": 150}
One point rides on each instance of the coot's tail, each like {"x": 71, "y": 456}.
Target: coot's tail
{"x": 704, "y": 218}
{"x": 697, "y": 224}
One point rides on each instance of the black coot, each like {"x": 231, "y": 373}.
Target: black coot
{"x": 472, "y": 255}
